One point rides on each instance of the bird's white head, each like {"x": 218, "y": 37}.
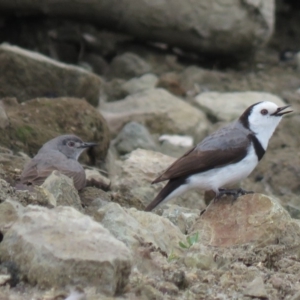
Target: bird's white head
{"x": 262, "y": 118}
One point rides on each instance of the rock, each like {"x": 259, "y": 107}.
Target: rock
{"x": 9, "y": 214}
{"x": 35, "y": 122}
{"x": 22, "y": 68}
{"x": 62, "y": 191}
{"x": 93, "y": 198}
{"x": 256, "y": 288}
{"x": 160, "y": 111}
{"x": 128, "y": 65}
{"x": 177, "y": 140}
{"x": 136, "y": 228}
{"x": 135, "y": 85}
{"x": 113, "y": 90}
{"x": 195, "y": 80}
{"x": 133, "y": 179}
{"x": 227, "y": 27}
{"x": 251, "y": 218}
{"x": 4, "y": 121}
{"x": 134, "y": 136}
{"x": 97, "y": 62}
{"x": 183, "y": 218}
{"x": 229, "y": 106}
{"x": 171, "y": 82}
{"x": 201, "y": 259}
{"x": 175, "y": 145}
{"x": 52, "y": 249}
{"x": 95, "y": 178}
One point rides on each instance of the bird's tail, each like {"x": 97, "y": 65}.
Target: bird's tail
{"x": 165, "y": 193}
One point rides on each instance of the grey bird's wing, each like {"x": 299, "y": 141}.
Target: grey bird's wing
{"x": 225, "y": 146}
{"x": 43, "y": 164}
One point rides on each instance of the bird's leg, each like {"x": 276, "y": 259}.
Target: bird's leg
{"x": 232, "y": 192}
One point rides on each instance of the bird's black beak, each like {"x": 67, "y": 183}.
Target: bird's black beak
{"x": 279, "y": 112}
{"x": 88, "y": 145}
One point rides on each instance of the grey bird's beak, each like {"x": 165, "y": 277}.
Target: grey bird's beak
{"x": 88, "y": 145}
{"x": 279, "y": 112}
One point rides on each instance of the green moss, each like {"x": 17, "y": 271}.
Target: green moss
{"x": 24, "y": 133}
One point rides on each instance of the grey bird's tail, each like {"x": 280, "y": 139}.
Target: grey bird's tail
{"x": 170, "y": 187}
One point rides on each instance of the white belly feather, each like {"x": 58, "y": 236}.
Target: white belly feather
{"x": 219, "y": 177}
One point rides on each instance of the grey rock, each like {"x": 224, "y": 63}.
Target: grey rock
{"x": 160, "y": 111}
{"x": 229, "y": 106}
{"x": 145, "y": 82}
{"x": 134, "y": 136}
{"x": 113, "y": 90}
{"x": 256, "y": 288}
{"x": 4, "y": 121}
{"x": 61, "y": 191}
{"x": 128, "y": 65}
{"x": 134, "y": 227}
{"x": 182, "y": 217}
{"x": 135, "y": 174}
{"x": 30, "y": 129}
{"x": 51, "y": 248}
{"x": 215, "y": 27}
{"x": 21, "y": 68}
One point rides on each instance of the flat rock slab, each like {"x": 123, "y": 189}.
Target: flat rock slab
{"x": 59, "y": 247}
{"x": 26, "y": 74}
{"x": 254, "y": 218}
{"x": 229, "y": 106}
{"x": 160, "y": 111}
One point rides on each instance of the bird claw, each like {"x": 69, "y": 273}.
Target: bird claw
{"x": 232, "y": 192}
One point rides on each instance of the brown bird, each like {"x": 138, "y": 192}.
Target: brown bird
{"x": 60, "y": 153}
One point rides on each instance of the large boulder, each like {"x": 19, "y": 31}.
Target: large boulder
{"x": 34, "y": 122}
{"x": 133, "y": 179}
{"x": 253, "y": 218}
{"x": 26, "y": 75}
{"x": 159, "y": 110}
{"x": 214, "y": 27}
{"x": 59, "y": 247}
{"x": 229, "y": 106}
{"x": 136, "y": 228}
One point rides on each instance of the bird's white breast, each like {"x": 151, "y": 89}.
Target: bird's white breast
{"x": 219, "y": 177}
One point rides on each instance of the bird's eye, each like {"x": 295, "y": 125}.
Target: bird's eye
{"x": 71, "y": 144}
{"x": 264, "y": 112}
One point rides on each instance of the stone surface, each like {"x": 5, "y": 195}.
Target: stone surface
{"x": 52, "y": 249}
{"x": 182, "y": 217}
{"x": 253, "y": 218}
{"x": 128, "y": 65}
{"x": 135, "y": 85}
{"x": 4, "y": 121}
{"x": 8, "y": 214}
{"x": 135, "y": 174}
{"x": 26, "y": 75}
{"x": 256, "y": 288}
{"x": 35, "y": 122}
{"x": 62, "y": 191}
{"x": 160, "y": 111}
{"x": 229, "y": 106}
{"x": 136, "y": 228}
{"x": 133, "y": 136}
{"x": 218, "y": 27}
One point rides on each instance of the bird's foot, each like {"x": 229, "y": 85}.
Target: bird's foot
{"x": 235, "y": 193}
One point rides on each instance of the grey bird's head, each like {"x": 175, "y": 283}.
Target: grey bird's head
{"x": 69, "y": 145}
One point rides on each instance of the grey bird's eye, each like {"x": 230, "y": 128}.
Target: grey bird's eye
{"x": 71, "y": 144}
{"x": 264, "y": 112}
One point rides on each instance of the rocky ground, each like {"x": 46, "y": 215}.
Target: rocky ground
{"x": 155, "y": 103}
